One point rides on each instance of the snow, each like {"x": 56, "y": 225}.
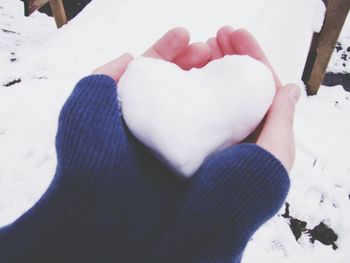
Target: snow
{"x": 320, "y": 183}
{"x": 50, "y": 62}
{"x": 202, "y": 110}
{"x": 320, "y": 11}
{"x": 340, "y": 60}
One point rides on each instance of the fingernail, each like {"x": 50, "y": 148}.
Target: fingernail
{"x": 294, "y": 93}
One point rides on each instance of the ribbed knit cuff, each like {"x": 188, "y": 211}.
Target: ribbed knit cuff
{"x": 231, "y": 196}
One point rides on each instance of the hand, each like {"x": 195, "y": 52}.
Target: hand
{"x": 173, "y": 47}
{"x": 112, "y": 201}
{"x": 212, "y": 215}
{"x": 275, "y": 133}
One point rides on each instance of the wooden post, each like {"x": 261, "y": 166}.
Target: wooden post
{"x": 323, "y": 44}
{"x": 58, "y": 12}
{"x": 56, "y": 6}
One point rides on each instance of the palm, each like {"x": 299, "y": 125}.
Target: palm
{"x": 275, "y": 134}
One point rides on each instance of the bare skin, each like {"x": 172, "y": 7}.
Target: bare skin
{"x": 275, "y": 133}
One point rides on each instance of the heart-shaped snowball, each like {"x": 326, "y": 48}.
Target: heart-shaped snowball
{"x": 185, "y": 116}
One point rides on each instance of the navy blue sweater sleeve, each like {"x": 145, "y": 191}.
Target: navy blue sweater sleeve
{"x": 233, "y": 194}
{"x": 112, "y": 201}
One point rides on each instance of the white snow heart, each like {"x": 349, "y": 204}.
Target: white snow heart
{"x": 185, "y": 116}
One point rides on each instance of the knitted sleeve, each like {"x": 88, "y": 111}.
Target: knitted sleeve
{"x": 233, "y": 194}
{"x": 85, "y": 211}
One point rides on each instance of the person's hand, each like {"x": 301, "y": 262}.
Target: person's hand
{"x": 235, "y": 190}
{"x": 173, "y": 47}
{"x": 156, "y": 216}
{"x": 111, "y": 200}
{"x": 275, "y": 134}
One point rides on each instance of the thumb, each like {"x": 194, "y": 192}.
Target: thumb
{"x": 115, "y": 68}
{"x": 277, "y": 134}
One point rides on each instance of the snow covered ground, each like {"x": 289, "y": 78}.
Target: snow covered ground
{"x": 40, "y": 65}
{"x": 340, "y": 60}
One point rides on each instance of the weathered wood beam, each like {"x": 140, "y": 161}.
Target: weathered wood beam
{"x": 56, "y": 6}
{"x": 58, "y": 12}
{"x": 323, "y": 44}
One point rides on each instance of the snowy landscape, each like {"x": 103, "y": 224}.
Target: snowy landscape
{"x": 39, "y": 66}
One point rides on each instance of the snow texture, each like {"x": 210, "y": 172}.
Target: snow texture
{"x": 340, "y": 60}
{"x": 184, "y": 116}
{"x": 320, "y": 11}
{"x": 49, "y": 62}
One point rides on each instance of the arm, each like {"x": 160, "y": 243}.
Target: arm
{"x": 233, "y": 194}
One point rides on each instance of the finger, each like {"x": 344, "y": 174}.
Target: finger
{"x": 172, "y": 44}
{"x": 245, "y": 44}
{"x": 115, "y": 68}
{"x": 277, "y": 133}
{"x": 223, "y": 40}
{"x": 196, "y": 55}
{"x": 214, "y": 48}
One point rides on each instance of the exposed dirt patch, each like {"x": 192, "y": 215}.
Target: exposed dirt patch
{"x": 321, "y": 232}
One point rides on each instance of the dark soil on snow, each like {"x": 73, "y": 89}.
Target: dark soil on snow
{"x": 321, "y": 232}
{"x": 331, "y": 79}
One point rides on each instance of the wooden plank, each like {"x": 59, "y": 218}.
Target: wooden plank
{"x": 324, "y": 43}
{"x": 58, "y": 12}
{"x": 32, "y": 5}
